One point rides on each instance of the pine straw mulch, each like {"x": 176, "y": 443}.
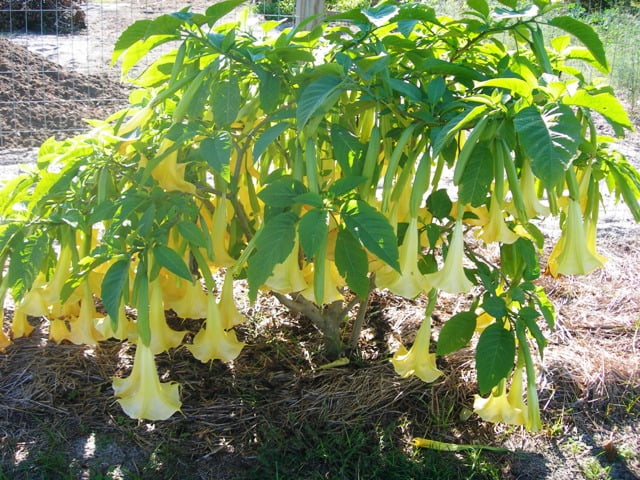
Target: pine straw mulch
{"x": 57, "y": 397}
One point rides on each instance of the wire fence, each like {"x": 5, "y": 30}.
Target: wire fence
{"x": 55, "y": 59}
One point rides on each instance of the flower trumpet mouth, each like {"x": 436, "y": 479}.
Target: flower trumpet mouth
{"x": 418, "y": 360}
{"x": 497, "y": 408}
{"x": 496, "y": 230}
{"x": 572, "y": 255}
{"x": 142, "y": 395}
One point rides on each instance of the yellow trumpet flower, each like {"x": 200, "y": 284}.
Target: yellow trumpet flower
{"x": 411, "y": 282}
{"x": 572, "y": 255}
{"x": 497, "y": 408}
{"x": 418, "y": 360}
{"x": 496, "y": 230}
{"x": 81, "y": 330}
{"x": 219, "y": 235}
{"x": 188, "y": 300}
{"x": 515, "y": 395}
{"x": 532, "y": 205}
{"x": 287, "y": 277}
{"x": 20, "y": 326}
{"x": 170, "y": 174}
{"x": 451, "y": 277}
{"x": 213, "y": 342}
{"x": 5, "y": 341}
{"x": 51, "y": 291}
{"x": 122, "y": 331}
{"x": 163, "y": 337}
{"x": 230, "y": 314}
{"x": 332, "y": 283}
{"x": 142, "y": 395}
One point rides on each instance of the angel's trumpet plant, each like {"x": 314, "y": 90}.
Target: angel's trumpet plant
{"x": 411, "y": 282}
{"x": 451, "y": 277}
{"x": 532, "y": 204}
{"x": 20, "y": 326}
{"x": 51, "y": 291}
{"x": 496, "y": 230}
{"x": 142, "y": 395}
{"x": 496, "y": 407}
{"x": 213, "y": 342}
{"x": 571, "y": 254}
{"x": 287, "y": 277}
{"x": 168, "y": 173}
{"x": 123, "y": 329}
{"x": 418, "y": 360}
{"x": 163, "y": 337}
{"x": 516, "y": 395}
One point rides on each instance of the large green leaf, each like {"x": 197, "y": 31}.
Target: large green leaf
{"x": 26, "y": 259}
{"x": 346, "y": 148}
{"x": 268, "y": 136}
{"x": 372, "y": 229}
{"x": 218, "y": 10}
{"x": 216, "y": 150}
{"x": 312, "y": 231}
{"x": 585, "y": 33}
{"x": 456, "y": 333}
{"x": 274, "y": 243}
{"x": 495, "y": 356}
{"x": 170, "y": 260}
{"x": 605, "y": 104}
{"x": 318, "y": 96}
{"x": 353, "y": 265}
{"x": 550, "y": 139}
{"x": 477, "y": 177}
{"x": 282, "y": 193}
{"x": 226, "y": 102}
{"x": 113, "y": 287}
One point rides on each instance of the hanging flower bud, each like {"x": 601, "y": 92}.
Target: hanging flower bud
{"x": 51, "y": 292}
{"x": 219, "y": 235}
{"x": 411, "y": 282}
{"x": 516, "y": 395}
{"x": 451, "y": 277}
{"x": 418, "y": 360}
{"x": 230, "y": 314}
{"x": 142, "y": 395}
{"x": 163, "y": 337}
{"x": 213, "y": 342}
{"x": 496, "y": 230}
{"x": 571, "y": 255}
{"x": 532, "y": 205}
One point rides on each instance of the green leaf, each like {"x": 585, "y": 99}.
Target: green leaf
{"x": 141, "y": 291}
{"x": 274, "y": 243}
{"x": 218, "y": 10}
{"x": 585, "y": 33}
{"x": 170, "y": 260}
{"x": 372, "y": 229}
{"x": 282, "y": 193}
{"x": 532, "y": 326}
{"x": 550, "y": 139}
{"x": 270, "y": 87}
{"x": 456, "y": 333}
{"x": 494, "y": 306}
{"x": 26, "y": 260}
{"x": 442, "y": 67}
{"x": 317, "y": 96}
{"x": 268, "y": 136}
{"x": 515, "y": 85}
{"x": 346, "y": 148}
{"x": 345, "y": 185}
{"x": 477, "y": 177}
{"x": 192, "y": 233}
{"x": 310, "y": 198}
{"x": 495, "y": 356}
{"x": 114, "y": 284}
{"x": 605, "y": 104}
{"x": 132, "y": 34}
{"x": 439, "y": 204}
{"x": 406, "y": 89}
{"x": 312, "y": 231}
{"x": 226, "y": 102}
{"x": 352, "y": 263}
{"x": 216, "y": 151}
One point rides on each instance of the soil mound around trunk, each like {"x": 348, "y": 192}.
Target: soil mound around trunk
{"x": 38, "y": 97}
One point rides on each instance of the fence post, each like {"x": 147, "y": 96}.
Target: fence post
{"x": 307, "y": 8}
